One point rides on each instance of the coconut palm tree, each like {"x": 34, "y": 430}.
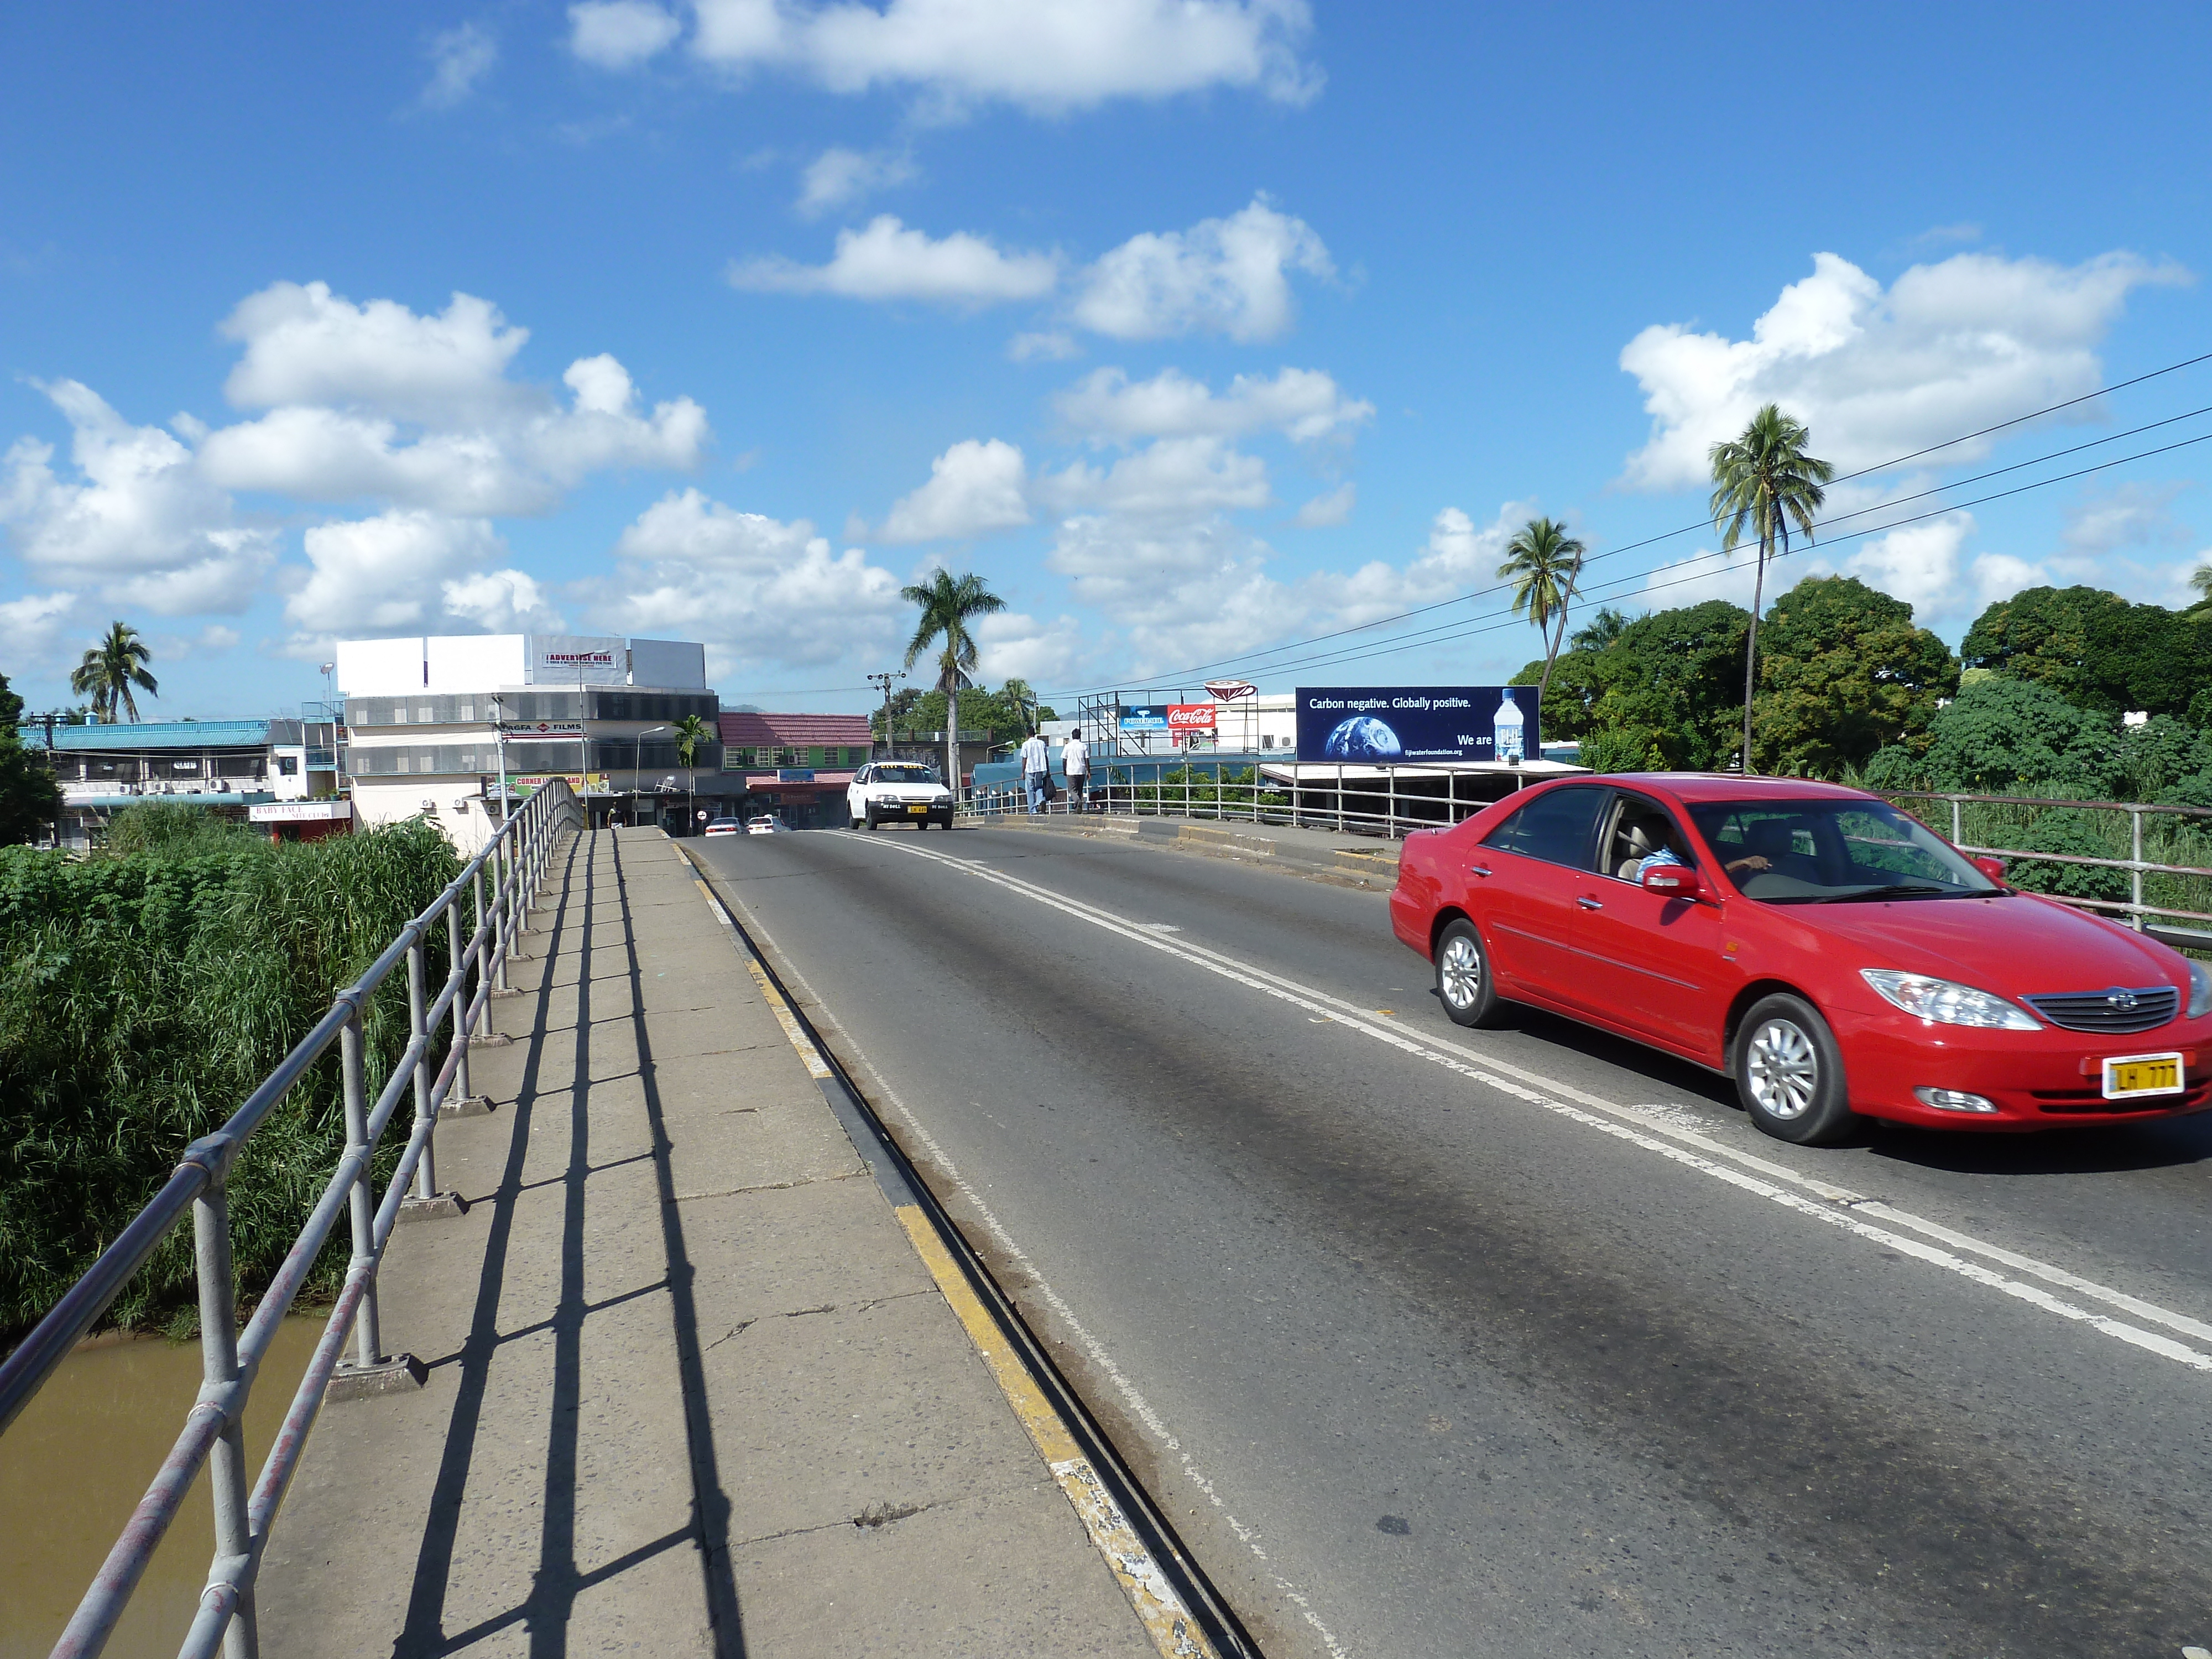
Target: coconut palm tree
{"x": 1544, "y": 564}
{"x": 1765, "y": 479}
{"x": 2201, "y": 579}
{"x": 949, "y": 604}
{"x": 689, "y": 733}
{"x": 1601, "y": 630}
{"x": 1022, "y": 698}
{"x": 110, "y": 669}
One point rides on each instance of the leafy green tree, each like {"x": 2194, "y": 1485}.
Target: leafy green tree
{"x": 2000, "y": 733}
{"x": 111, "y": 668}
{"x": 1544, "y": 564}
{"x": 29, "y": 798}
{"x": 1660, "y": 697}
{"x": 1765, "y": 479}
{"x": 1846, "y": 672}
{"x": 948, "y": 604}
{"x": 2096, "y": 650}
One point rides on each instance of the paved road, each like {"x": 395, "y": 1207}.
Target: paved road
{"x": 1518, "y": 1343}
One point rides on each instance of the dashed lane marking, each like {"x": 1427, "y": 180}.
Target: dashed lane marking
{"x": 1679, "y": 1144}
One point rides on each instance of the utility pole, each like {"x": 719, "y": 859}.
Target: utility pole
{"x": 884, "y": 681}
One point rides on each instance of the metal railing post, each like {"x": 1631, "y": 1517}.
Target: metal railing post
{"x": 368, "y": 1334}
{"x": 457, "y": 952}
{"x": 1958, "y": 825}
{"x": 228, "y": 1479}
{"x": 499, "y": 928}
{"x": 2135, "y": 875}
{"x": 425, "y": 1174}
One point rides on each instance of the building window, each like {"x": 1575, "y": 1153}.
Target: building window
{"x": 288, "y": 766}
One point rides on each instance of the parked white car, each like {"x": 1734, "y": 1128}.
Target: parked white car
{"x": 897, "y": 792}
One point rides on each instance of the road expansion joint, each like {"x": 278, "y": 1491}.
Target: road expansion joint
{"x": 1179, "y": 1608}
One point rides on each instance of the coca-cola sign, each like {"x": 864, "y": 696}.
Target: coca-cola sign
{"x": 1190, "y": 717}
{"x": 1229, "y": 691}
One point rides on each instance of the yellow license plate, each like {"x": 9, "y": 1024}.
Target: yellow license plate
{"x": 917, "y": 809}
{"x": 2142, "y": 1074}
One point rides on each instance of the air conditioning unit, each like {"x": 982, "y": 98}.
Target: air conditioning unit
{"x": 430, "y": 806}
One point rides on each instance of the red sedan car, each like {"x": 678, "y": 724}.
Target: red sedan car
{"x": 1827, "y": 951}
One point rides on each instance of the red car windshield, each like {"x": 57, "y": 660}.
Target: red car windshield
{"x": 1824, "y": 852}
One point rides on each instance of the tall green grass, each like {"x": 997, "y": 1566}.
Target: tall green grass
{"x": 144, "y": 992}
{"x": 2104, "y": 833}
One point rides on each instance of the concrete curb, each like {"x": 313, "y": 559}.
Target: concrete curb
{"x": 1371, "y": 866}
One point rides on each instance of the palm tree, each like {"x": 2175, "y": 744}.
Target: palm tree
{"x": 948, "y": 603}
{"x": 1601, "y": 630}
{"x": 1544, "y": 564}
{"x": 110, "y": 669}
{"x": 2201, "y": 579}
{"x": 690, "y": 731}
{"x": 1765, "y": 479}
{"x": 1022, "y": 698}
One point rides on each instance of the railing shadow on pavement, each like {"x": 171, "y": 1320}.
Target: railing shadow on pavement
{"x": 502, "y": 881}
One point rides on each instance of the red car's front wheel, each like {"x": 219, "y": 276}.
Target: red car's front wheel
{"x": 1463, "y": 981}
{"x": 1790, "y": 1073}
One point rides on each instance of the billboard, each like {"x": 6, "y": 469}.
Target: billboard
{"x": 1395, "y": 725}
{"x": 1144, "y": 717}
{"x": 1190, "y": 717}
{"x": 558, "y": 660}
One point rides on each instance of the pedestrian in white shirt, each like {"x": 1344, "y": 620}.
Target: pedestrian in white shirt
{"x": 1075, "y": 761}
{"x": 1036, "y": 770}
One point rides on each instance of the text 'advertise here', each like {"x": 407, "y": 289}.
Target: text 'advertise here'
{"x": 1395, "y": 725}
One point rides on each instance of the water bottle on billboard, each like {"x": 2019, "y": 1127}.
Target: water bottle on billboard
{"x": 1505, "y": 730}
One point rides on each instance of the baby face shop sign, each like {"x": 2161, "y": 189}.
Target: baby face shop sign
{"x": 1401, "y": 725}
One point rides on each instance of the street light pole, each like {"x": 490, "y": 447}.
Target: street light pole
{"x": 637, "y": 764}
{"x": 884, "y": 681}
{"x": 499, "y": 737}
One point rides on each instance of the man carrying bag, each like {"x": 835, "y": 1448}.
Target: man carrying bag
{"x": 1036, "y": 771}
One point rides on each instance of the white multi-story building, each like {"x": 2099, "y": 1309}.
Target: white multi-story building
{"x": 225, "y": 766}
{"x": 432, "y": 721}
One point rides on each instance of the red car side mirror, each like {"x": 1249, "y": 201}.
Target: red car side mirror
{"x": 1993, "y": 868}
{"x": 1674, "y": 881}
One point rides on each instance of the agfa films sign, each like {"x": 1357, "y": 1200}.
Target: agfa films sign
{"x": 1396, "y": 724}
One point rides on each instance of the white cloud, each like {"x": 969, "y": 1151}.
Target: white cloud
{"x": 1171, "y": 478}
{"x": 1052, "y": 346}
{"x": 1222, "y": 275}
{"x": 754, "y": 588}
{"x": 1049, "y": 58}
{"x": 1011, "y": 645}
{"x": 620, "y": 34}
{"x": 459, "y": 58}
{"x": 500, "y": 602}
{"x": 2132, "y": 514}
{"x": 1302, "y": 404}
{"x": 372, "y": 576}
{"x": 1325, "y": 512}
{"x": 1918, "y": 563}
{"x": 887, "y": 261}
{"x": 1183, "y": 591}
{"x": 973, "y": 487}
{"x": 31, "y": 627}
{"x": 840, "y": 177}
{"x": 374, "y": 401}
{"x": 1949, "y": 349}
{"x": 139, "y": 521}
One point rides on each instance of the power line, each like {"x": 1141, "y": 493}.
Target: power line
{"x": 1701, "y": 525}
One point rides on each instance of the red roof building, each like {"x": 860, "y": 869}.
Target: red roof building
{"x": 797, "y": 765}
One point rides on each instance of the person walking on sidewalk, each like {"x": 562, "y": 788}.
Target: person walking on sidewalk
{"x": 1075, "y": 761}
{"x": 1036, "y": 770}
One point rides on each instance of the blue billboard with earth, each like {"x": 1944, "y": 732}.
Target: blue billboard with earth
{"x": 1403, "y": 725}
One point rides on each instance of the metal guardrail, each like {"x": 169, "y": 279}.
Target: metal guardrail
{"x": 2144, "y": 916}
{"x": 214, "y": 1435}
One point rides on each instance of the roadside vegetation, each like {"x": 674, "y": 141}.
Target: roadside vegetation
{"x": 144, "y": 990}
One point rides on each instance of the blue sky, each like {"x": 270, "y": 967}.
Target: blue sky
{"x": 1198, "y": 329}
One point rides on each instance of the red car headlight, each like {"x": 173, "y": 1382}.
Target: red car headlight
{"x": 1946, "y": 1003}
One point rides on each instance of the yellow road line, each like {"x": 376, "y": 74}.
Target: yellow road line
{"x": 1161, "y": 1611}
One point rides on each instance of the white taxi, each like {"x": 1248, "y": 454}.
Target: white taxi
{"x": 897, "y": 792}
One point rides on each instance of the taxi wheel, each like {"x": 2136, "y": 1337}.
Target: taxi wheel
{"x": 1789, "y": 1073}
{"x": 1463, "y": 980}
{"x": 856, "y": 824}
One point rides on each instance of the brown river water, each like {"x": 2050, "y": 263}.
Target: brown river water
{"x": 77, "y": 1462}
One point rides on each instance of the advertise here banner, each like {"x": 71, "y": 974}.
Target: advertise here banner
{"x": 1395, "y": 725}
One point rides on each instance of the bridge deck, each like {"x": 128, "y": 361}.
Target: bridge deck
{"x": 683, "y": 1360}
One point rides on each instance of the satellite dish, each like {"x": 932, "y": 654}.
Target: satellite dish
{"x": 1229, "y": 691}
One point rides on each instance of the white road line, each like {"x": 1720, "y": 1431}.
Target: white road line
{"x": 1837, "y": 1205}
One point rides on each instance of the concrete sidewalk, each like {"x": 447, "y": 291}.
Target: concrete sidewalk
{"x": 691, "y": 1389}
{"x": 1349, "y": 861}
